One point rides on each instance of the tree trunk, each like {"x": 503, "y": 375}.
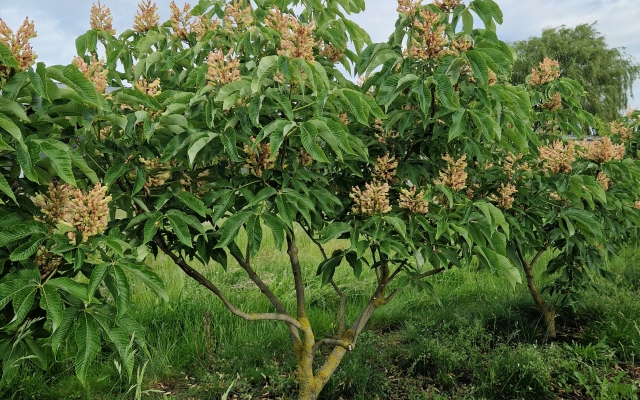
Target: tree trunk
{"x": 547, "y": 313}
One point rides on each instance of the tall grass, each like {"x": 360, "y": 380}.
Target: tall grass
{"x": 473, "y": 338}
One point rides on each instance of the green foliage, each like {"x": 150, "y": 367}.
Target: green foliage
{"x": 248, "y": 130}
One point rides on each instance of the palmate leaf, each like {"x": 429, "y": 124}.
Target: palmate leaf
{"x": 116, "y": 335}
{"x": 87, "y": 337}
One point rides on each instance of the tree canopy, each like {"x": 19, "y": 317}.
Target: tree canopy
{"x": 607, "y": 74}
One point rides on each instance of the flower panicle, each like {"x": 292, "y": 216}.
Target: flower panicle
{"x": 297, "y": 39}
{"x": 101, "y": 19}
{"x": 504, "y": 199}
{"x": 222, "y": 68}
{"x": 18, "y": 42}
{"x": 453, "y": 175}
{"x": 600, "y": 151}
{"x": 146, "y": 17}
{"x": 260, "y": 160}
{"x": 557, "y": 157}
{"x": 413, "y": 201}
{"x": 548, "y": 70}
{"x": 93, "y": 71}
{"x": 374, "y": 199}
{"x": 85, "y": 211}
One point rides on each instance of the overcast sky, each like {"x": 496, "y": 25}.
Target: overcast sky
{"x": 59, "y": 22}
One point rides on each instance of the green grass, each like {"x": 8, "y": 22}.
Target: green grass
{"x": 475, "y": 338}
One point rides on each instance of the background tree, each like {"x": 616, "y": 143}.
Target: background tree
{"x": 606, "y": 74}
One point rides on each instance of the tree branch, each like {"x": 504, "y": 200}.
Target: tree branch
{"x": 343, "y": 301}
{"x": 324, "y": 254}
{"x": 246, "y": 265}
{"x": 180, "y": 262}
{"x": 432, "y": 272}
{"x": 297, "y": 275}
{"x": 332, "y": 342}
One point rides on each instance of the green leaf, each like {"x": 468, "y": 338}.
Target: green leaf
{"x": 262, "y": 195}
{"x": 40, "y": 358}
{"x": 14, "y": 108}
{"x": 192, "y": 202}
{"x": 397, "y": 224}
{"x": 76, "y": 81}
{"x": 459, "y": 124}
{"x": 97, "y": 276}
{"x": 118, "y": 285}
{"x": 88, "y": 342}
{"x": 308, "y": 134}
{"x": 60, "y": 334}
{"x": 70, "y": 286}
{"x": 151, "y": 226}
{"x": 9, "y": 126}
{"x": 332, "y": 231}
{"x": 22, "y": 303}
{"x": 254, "y": 234}
{"x": 6, "y": 56}
{"x": 180, "y": 228}
{"x": 197, "y": 145}
{"x": 114, "y": 173}
{"x": 478, "y": 66}
{"x": 51, "y": 302}
{"x": 266, "y": 69}
{"x": 445, "y": 92}
{"x": 81, "y": 164}
{"x": 231, "y": 227}
{"x": 277, "y": 228}
{"x": 28, "y": 248}
{"x": 146, "y": 275}
{"x": 26, "y": 163}
{"x": 61, "y": 162}
{"x": 284, "y": 210}
{"x": 282, "y": 100}
{"x": 6, "y": 189}
{"x": 467, "y": 22}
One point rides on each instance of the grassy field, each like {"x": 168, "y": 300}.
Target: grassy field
{"x": 475, "y": 338}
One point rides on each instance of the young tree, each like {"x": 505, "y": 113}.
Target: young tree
{"x": 237, "y": 119}
{"x": 606, "y": 74}
{"x": 572, "y": 199}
